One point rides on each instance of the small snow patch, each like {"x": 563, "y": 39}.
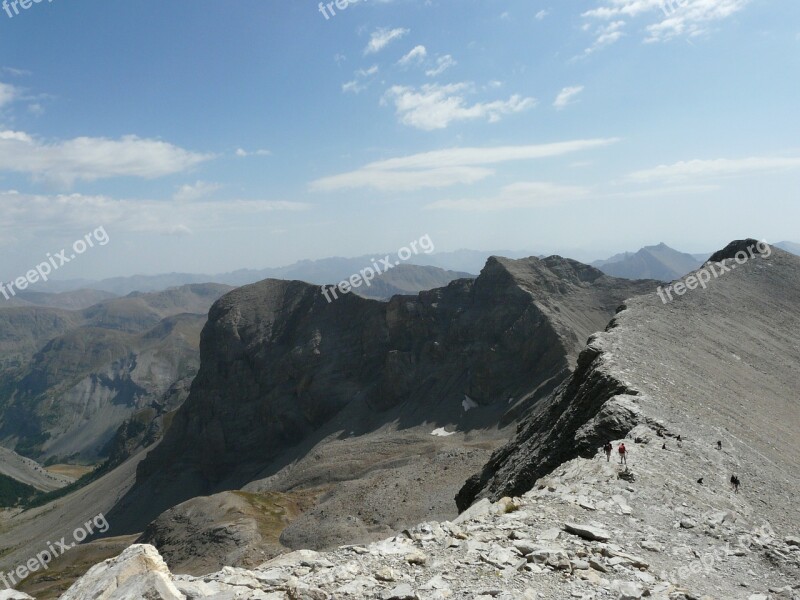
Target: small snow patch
{"x": 442, "y": 432}
{"x": 468, "y": 403}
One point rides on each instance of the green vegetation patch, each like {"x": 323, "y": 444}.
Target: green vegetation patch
{"x": 13, "y": 492}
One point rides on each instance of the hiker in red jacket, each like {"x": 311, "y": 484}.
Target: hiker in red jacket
{"x": 623, "y": 455}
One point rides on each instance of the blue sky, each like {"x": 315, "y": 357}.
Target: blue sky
{"x": 209, "y": 136}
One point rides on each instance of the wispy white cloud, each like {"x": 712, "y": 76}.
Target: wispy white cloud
{"x": 524, "y": 194}
{"x": 567, "y": 96}
{"x": 434, "y": 106}
{"x": 8, "y": 94}
{"x": 675, "y": 17}
{"x": 444, "y": 168}
{"x": 383, "y": 37}
{"x": 16, "y": 72}
{"x": 539, "y": 16}
{"x": 90, "y": 159}
{"x": 361, "y": 81}
{"x": 194, "y": 191}
{"x": 721, "y": 167}
{"x": 402, "y": 181}
{"x": 416, "y": 55}
{"x": 353, "y": 87}
{"x": 605, "y": 35}
{"x": 77, "y": 212}
{"x": 242, "y": 153}
{"x": 442, "y": 64}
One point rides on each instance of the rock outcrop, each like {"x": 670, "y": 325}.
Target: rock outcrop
{"x": 139, "y": 572}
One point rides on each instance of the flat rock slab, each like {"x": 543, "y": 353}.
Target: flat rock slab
{"x": 587, "y": 532}
{"x": 401, "y": 592}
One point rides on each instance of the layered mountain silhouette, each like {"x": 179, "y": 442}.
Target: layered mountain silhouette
{"x": 651, "y": 262}
{"x": 71, "y": 300}
{"x": 69, "y": 379}
{"x": 422, "y": 272}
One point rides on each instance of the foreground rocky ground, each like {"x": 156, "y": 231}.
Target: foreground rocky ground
{"x": 584, "y": 532}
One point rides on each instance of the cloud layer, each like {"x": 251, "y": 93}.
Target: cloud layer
{"x": 90, "y": 159}
{"x": 444, "y": 168}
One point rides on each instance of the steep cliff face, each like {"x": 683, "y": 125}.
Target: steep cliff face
{"x": 715, "y": 364}
{"x": 281, "y": 368}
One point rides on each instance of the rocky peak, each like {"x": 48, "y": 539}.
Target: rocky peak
{"x": 279, "y": 364}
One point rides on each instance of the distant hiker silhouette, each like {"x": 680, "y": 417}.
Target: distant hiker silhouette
{"x": 719, "y": 445}
{"x": 623, "y": 454}
{"x": 735, "y": 483}
{"x": 607, "y": 449}
{"x": 663, "y": 446}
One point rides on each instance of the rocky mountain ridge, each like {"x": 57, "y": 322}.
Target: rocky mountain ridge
{"x": 298, "y": 393}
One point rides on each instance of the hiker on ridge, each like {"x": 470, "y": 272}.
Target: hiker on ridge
{"x": 623, "y": 454}
{"x": 607, "y": 449}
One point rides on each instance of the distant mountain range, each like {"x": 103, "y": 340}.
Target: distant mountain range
{"x": 69, "y": 379}
{"x": 792, "y": 247}
{"x": 662, "y": 262}
{"x": 71, "y": 300}
{"x": 434, "y": 270}
{"x": 421, "y": 272}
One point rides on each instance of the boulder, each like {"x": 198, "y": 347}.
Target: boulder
{"x": 587, "y": 532}
{"x": 14, "y": 595}
{"x": 139, "y": 572}
{"x": 401, "y": 592}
